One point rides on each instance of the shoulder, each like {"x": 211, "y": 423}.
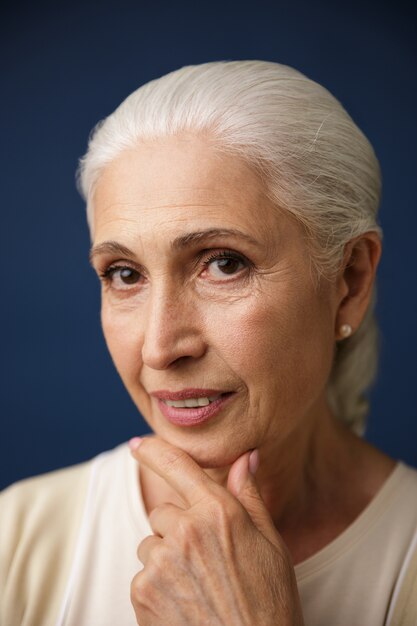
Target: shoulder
{"x": 38, "y": 504}
{"x": 39, "y": 520}
{"x": 43, "y": 501}
{"x": 43, "y": 482}
{"x": 42, "y": 510}
{"x": 34, "y": 498}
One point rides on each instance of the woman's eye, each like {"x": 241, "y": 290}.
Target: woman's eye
{"x": 223, "y": 265}
{"x": 121, "y": 278}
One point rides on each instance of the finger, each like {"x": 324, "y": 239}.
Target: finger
{"x": 175, "y": 466}
{"x": 242, "y": 484}
{"x": 165, "y": 518}
{"x": 237, "y": 477}
{"x": 146, "y": 547}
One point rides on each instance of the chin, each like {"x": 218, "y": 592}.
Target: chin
{"x": 209, "y": 452}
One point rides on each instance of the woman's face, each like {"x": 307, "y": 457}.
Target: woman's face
{"x": 207, "y": 292}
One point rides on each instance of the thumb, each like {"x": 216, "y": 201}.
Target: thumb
{"x": 241, "y": 483}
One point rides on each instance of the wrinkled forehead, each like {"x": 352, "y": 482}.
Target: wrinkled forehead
{"x": 178, "y": 185}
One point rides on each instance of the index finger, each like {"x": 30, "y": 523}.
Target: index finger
{"x": 175, "y": 466}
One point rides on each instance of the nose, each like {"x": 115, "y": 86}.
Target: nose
{"x": 172, "y": 330}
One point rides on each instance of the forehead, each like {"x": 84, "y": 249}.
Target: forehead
{"x": 177, "y": 183}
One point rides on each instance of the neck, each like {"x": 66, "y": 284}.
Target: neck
{"x": 293, "y": 469}
{"x": 317, "y": 481}
{"x": 306, "y": 468}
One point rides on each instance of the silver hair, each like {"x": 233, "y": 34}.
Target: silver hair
{"x": 314, "y": 160}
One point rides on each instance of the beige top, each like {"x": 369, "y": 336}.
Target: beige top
{"x": 68, "y": 545}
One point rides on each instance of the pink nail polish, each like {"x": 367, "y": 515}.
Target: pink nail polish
{"x": 254, "y": 461}
{"x": 134, "y": 443}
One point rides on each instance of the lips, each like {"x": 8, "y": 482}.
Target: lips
{"x": 191, "y": 416}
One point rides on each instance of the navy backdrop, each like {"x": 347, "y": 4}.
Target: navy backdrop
{"x": 65, "y": 66}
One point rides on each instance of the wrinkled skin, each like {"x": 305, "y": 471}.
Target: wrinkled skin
{"x": 216, "y": 560}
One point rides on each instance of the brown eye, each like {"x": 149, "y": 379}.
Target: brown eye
{"x": 224, "y": 264}
{"x": 228, "y": 266}
{"x": 121, "y": 278}
{"x": 129, "y": 276}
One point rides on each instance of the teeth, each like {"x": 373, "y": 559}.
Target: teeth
{"x": 191, "y": 402}
{"x": 176, "y": 403}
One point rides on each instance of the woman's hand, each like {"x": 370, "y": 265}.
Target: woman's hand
{"x": 218, "y": 560}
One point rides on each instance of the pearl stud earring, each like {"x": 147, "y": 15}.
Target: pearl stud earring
{"x": 345, "y": 330}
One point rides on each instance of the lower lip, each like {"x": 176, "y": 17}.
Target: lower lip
{"x": 194, "y": 416}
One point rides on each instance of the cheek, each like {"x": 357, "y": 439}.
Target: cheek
{"x": 280, "y": 347}
{"x": 122, "y": 341}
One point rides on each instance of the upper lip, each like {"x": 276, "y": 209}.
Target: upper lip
{"x": 186, "y": 394}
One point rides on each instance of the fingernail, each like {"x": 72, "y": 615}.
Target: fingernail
{"x": 134, "y": 443}
{"x": 254, "y": 461}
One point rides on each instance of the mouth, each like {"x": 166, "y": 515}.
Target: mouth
{"x": 191, "y": 407}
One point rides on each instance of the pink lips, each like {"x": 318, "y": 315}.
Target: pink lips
{"x": 195, "y": 415}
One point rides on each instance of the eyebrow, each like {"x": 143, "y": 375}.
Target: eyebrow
{"x": 190, "y": 239}
{"x": 109, "y": 247}
{"x": 180, "y": 242}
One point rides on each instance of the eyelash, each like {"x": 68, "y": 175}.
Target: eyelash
{"x": 225, "y": 254}
{"x": 107, "y": 275}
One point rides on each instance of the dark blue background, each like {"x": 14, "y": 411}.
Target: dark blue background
{"x": 65, "y": 66}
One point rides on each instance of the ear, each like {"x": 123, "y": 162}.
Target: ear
{"x": 356, "y": 279}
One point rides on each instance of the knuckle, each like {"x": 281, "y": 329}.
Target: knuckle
{"x": 155, "y": 513}
{"x": 160, "y": 557}
{"x": 146, "y": 584}
{"x": 221, "y": 512}
{"x": 140, "y": 590}
{"x": 154, "y": 553}
{"x": 188, "y": 530}
{"x": 143, "y": 546}
{"x": 227, "y": 517}
{"x": 182, "y": 529}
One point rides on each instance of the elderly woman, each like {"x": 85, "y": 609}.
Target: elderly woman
{"x": 232, "y": 209}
